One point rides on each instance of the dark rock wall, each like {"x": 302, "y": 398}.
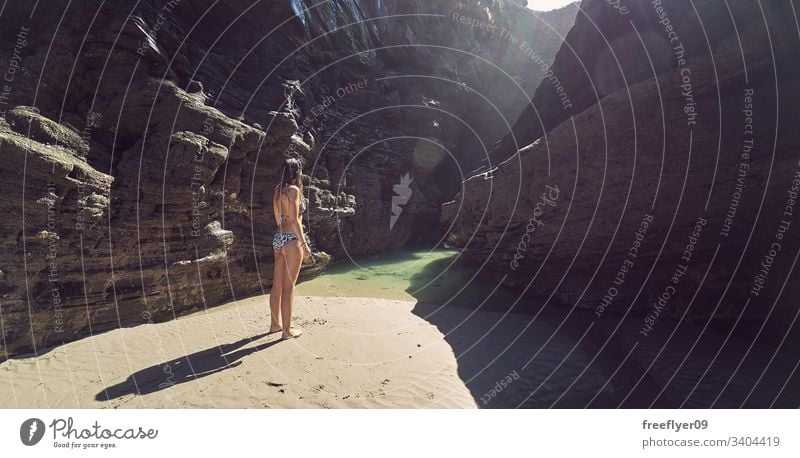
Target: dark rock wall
{"x": 706, "y": 148}
{"x": 141, "y": 142}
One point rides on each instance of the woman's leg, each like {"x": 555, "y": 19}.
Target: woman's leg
{"x": 275, "y": 293}
{"x": 293, "y": 256}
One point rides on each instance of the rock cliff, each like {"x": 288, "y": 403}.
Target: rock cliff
{"x": 659, "y": 173}
{"x": 141, "y": 141}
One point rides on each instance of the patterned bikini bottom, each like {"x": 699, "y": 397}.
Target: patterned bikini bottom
{"x": 282, "y": 238}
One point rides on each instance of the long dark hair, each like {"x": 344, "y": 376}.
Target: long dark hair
{"x": 292, "y": 174}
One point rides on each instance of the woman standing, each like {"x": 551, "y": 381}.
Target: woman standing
{"x": 289, "y": 246}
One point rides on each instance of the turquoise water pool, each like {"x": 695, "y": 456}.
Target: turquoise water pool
{"x": 436, "y": 277}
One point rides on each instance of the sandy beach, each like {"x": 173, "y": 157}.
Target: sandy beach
{"x": 396, "y": 333}
{"x": 349, "y": 356}
{"x": 389, "y": 349}
{"x": 354, "y": 353}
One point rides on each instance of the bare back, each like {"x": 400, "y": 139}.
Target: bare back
{"x": 286, "y": 206}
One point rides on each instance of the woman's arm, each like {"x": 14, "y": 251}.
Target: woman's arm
{"x": 276, "y": 206}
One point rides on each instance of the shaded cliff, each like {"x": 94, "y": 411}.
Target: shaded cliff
{"x": 653, "y": 212}
{"x": 668, "y": 187}
{"x": 141, "y": 141}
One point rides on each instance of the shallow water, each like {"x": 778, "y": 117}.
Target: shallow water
{"x": 436, "y": 277}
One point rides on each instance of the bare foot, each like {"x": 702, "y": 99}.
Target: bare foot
{"x": 293, "y": 332}
{"x": 273, "y": 329}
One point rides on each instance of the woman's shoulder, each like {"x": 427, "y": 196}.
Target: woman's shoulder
{"x": 292, "y": 190}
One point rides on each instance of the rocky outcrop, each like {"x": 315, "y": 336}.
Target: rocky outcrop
{"x": 605, "y": 52}
{"x": 668, "y": 188}
{"x": 142, "y": 140}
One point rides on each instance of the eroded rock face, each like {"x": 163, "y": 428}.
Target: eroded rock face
{"x": 676, "y": 180}
{"x": 141, "y": 142}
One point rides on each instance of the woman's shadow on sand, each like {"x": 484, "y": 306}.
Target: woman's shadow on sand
{"x": 184, "y": 369}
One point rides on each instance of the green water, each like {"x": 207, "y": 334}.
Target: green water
{"x": 436, "y": 277}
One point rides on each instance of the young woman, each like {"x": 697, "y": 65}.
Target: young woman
{"x": 289, "y": 246}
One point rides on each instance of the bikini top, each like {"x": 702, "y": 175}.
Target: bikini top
{"x": 303, "y": 208}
